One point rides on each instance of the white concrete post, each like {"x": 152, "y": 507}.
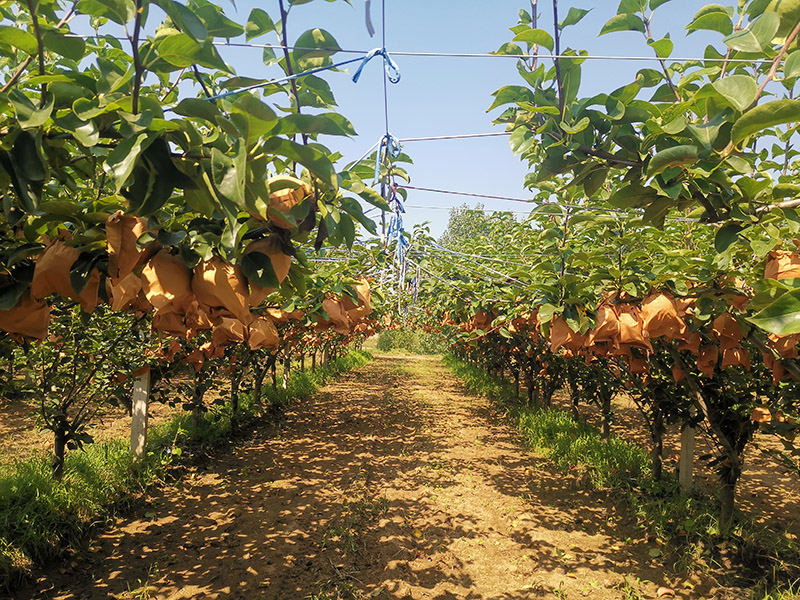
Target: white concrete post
{"x": 139, "y": 400}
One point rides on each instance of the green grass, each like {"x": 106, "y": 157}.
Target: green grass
{"x": 41, "y": 519}
{"x": 768, "y": 561}
{"x": 554, "y": 434}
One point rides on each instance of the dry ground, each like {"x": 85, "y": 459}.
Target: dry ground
{"x": 391, "y": 483}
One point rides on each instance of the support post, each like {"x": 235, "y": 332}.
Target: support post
{"x": 139, "y": 401}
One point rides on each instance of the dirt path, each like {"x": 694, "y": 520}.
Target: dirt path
{"x": 391, "y": 483}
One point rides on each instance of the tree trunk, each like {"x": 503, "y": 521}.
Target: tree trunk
{"x": 727, "y": 498}
{"x": 303, "y": 362}
{"x": 516, "y": 385}
{"x": 59, "y": 451}
{"x": 197, "y": 400}
{"x": 686, "y": 464}
{"x": 605, "y": 408}
{"x": 274, "y": 375}
{"x": 657, "y": 435}
{"x": 313, "y": 360}
{"x": 531, "y": 390}
{"x": 258, "y": 383}
{"x": 236, "y": 379}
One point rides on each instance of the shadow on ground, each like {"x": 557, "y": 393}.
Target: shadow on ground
{"x": 391, "y": 483}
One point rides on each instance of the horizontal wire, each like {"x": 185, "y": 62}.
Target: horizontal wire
{"x": 494, "y": 55}
{"x": 470, "y": 194}
{"x": 748, "y": 61}
{"x": 537, "y": 204}
{"x": 455, "y": 137}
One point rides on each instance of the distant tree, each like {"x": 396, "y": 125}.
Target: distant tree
{"x": 465, "y": 224}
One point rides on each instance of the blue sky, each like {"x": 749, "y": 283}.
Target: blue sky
{"x": 449, "y": 96}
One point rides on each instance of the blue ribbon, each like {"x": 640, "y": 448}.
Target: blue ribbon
{"x": 392, "y": 70}
{"x": 393, "y": 147}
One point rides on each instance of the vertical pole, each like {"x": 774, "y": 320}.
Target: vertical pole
{"x": 686, "y": 464}
{"x": 139, "y": 400}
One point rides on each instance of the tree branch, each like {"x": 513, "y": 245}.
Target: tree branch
{"x": 24, "y": 65}
{"x": 137, "y": 63}
{"x": 557, "y": 38}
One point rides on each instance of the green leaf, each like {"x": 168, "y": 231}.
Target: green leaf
{"x": 68, "y": 46}
{"x": 791, "y": 68}
{"x": 521, "y": 140}
{"x": 764, "y": 116}
{"x": 217, "y": 24}
{"x": 28, "y": 115}
{"x": 184, "y": 18}
{"x": 656, "y": 211}
{"x": 315, "y": 43}
{"x": 739, "y": 90}
{"x": 757, "y": 36}
{"x": 577, "y": 127}
{"x": 631, "y": 6}
{"x": 119, "y": 11}
{"x": 253, "y": 118}
{"x": 727, "y": 236}
{"x": 536, "y": 37}
{"x": 87, "y": 134}
{"x": 623, "y": 22}
{"x": 654, "y": 4}
{"x": 198, "y": 108}
{"x": 10, "y": 294}
{"x": 786, "y": 190}
{"x": 325, "y": 123}
{"x": 711, "y": 18}
{"x": 633, "y": 195}
{"x": 662, "y": 48}
{"x": 229, "y": 177}
{"x": 259, "y": 23}
{"x": 121, "y": 160}
{"x": 781, "y": 317}
{"x": 672, "y": 157}
{"x": 509, "y": 49}
{"x": 19, "y": 38}
{"x": 258, "y": 269}
{"x": 512, "y": 94}
{"x": 178, "y": 49}
{"x": 574, "y": 16}
{"x": 311, "y": 158}
{"x": 347, "y": 229}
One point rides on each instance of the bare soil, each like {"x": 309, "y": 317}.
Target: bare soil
{"x": 391, "y": 483}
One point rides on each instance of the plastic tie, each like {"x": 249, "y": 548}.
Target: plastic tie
{"x": 392, "y": 70}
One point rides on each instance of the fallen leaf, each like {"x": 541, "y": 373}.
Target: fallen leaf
{"x": 655, "y": 553}
{"x": 664, "y": 592}
{"x": 416, "y": 533}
